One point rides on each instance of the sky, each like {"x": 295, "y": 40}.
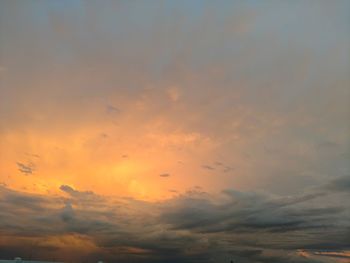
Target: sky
{"x": 175, "y": 131}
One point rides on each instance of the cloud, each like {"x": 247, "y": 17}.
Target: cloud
{"x": 339, "y": 184}
{"x": 244, "y": 226}
{"x": 68, "y": 189}
{"x": 208, "y": 167}
{"x": 339, "y": 254}
{"x": 224, "y": 168}
{"x": 238, "y": 81}
{"x": 26, "y": 168}
{"x": 86, "y": 196}
{"x": 164, "y": 175}
{"x": 110, "y": 109}
{"x": 246, "y": 214}
{"x": 67, "y": 212}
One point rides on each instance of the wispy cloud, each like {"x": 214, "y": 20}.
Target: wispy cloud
{"x": 26, "y": 168}
{"x": 110, "y": 109}
{"x": 208, "y": 167}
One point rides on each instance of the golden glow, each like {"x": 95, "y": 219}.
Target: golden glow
{"x": 114, "y": 160}
{"x": 129, "y": 168}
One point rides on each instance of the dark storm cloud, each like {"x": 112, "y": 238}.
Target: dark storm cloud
{"x": 28, "y": 214}
{"x": 213, "y": 227}
{"x": 163, "y": 231}
{"x": 247, "y": 215}
{"x": 244, "y": 212}
{"x": 20, "y": 200}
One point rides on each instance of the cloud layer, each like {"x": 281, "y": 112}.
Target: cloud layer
{"x": 191, "y": 227}
{"x": 175, "y": 131}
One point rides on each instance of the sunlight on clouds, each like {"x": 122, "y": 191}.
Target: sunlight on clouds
{"x": 128, "y": 168}
{"x": 175, "y": 131}
{"x": 118, "y": 162}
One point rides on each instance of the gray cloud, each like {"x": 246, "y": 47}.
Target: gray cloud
{"x": 341, "y": 184}
{"x": 208, "y": 167}
{"x": 243, "y": 226}
{"x": 247, "y": 84}
{"x": 26, "y": 168}
{"x": 110, "y": 109}
{"x": 67, "y": 212}
{"x": 80, "y": 196}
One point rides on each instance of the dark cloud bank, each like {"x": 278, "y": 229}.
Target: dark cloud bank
{"x": 192, "y": 227}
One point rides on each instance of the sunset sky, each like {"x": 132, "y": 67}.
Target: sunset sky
{"x": 175, "y": 131}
